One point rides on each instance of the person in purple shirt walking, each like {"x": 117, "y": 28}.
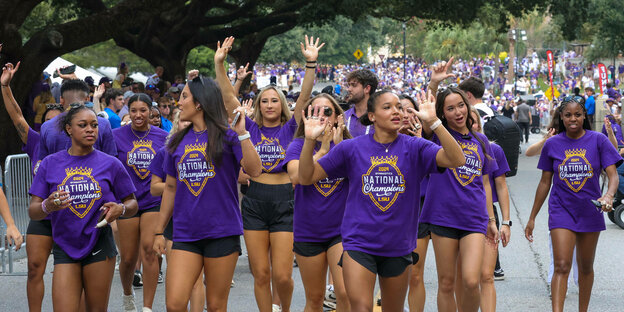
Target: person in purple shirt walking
{"x": 267, "y": 207}
{"x": 572, "y": 161}
{"x": 39, "y": 233}
{"x": 384, "y": 170}
{"x": 459, "y": 226}
{"x": 202, "y": 165}
{"x": 361, "y": 84}
{"x": 137, "y": 144}
{"x": 82, "y": 190}
{"x": 319, "y": 210}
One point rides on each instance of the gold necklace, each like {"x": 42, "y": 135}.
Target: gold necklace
{"x": 143, "y": 137}
{"x": 198, "y": 134}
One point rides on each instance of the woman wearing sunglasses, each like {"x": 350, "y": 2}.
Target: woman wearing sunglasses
{"x": 267, "y": 207}
{"x": 571, "y": 162}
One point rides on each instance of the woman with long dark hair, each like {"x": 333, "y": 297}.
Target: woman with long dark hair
{"x": 267, "y": 206}
{"x": 384, "y": 170}
{"x": 319, "y": 210}
{"x": 458, "y": 227}
{"x": 574, "y": 156}
{"x": 82, "y": 190}
{"x": 202, "y": 164}
{"x": 137, "y": 144}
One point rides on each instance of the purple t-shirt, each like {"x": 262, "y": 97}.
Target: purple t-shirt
{"x": 617, "y": 131}
{"x": 271, "y": 143}
{"x": 136, "y": 149}
{"x": 353, "y": 124}
{"x": 384, "y": 191}
{"x": 54, "y": 140}
{"x": 156, "y": 167}
{"x": 31, "y": 148}
{"x": 319, "y": 207}
{"x": 456, "y": 197}
{"x": 576, "y": 166}
{"x": 503, "y": 168}
{"x": 206, "y": 197}
{"x": 91, "y": 180}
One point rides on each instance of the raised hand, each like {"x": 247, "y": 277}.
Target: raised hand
{"x": 310, "y": 51}
{"x": 415, "y": 127}
{"x": 7, "y": 73}
{"x": 327, "y": 136}
{"x": 192, "y": 74}
{"x": 223, "y": 49}
{"x": 239, "y": 127}
{"x": 71, "y": 76}
{"x": 242, "y": 72}
{"x": 427, "y": 112}
{"x": 314, "y": 126}
{"x": 99, "y": 91}
{"x": 440, "y": 71}
{"x": 339, "y": 130}
{"x": 551, "y": 133}
{"x": 248, "y": 106}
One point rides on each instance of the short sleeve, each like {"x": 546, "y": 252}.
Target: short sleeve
{"x": 156, "y": 166}
{"x": 108, "y": 145}
{"x": 490, "y": 165}
{"x": 43, "y": 149}
{"x": 293, "y": 152}
{"x": 234, "y": 145}
{"x": 608, "y": 154}
{"x": 39, "y": 186}
{"x": 501, "y": 161}
{"x": 169, "y": 166}
{"x": 334, "y": 163}
{"x": 426, "y": 152}
{"x": 122, "y": 185}
{"x": 545, "y": 161}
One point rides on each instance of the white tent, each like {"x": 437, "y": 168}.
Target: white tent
{"x": 81, "y": 73}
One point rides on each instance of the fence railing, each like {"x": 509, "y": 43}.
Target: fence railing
{"x": 17, "y": 181}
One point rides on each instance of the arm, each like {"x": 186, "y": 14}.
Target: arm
{"x": 293, "y": 165}
{"x": 166, "y": 210}
{"x": 610, "y": 133}
{"x": 492, "y": 231}
{"x": 97, "y": 95}
{"x": 440, "y": 72}
{"x": 157, "y": 186}
{"x": 536, "y": 148}
{"x": 614, "y": 180}
{"x": 115, "y": 210}
{"x": 10, "y": 103}
{"x": 13, "y": 235}
{"x": 540, "y": 196}
{"x": 241, "y": 74}
{"x": 251, "y": 162}
{"x": 503, "y": 199}
{"x": 36, "y": 211}
{"x": 310, "y": 52}
{"x": 227, "y": 91}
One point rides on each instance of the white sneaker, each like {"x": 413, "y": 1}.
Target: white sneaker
{"x": 277, "y": 308}
{"x": 128, "y": 303}
{"x": 146, "y": 309}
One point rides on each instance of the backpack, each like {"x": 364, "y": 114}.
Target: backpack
{"x": 506, "y": 133}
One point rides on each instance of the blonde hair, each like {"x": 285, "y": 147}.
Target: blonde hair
{"x": 174, "y": 127}
{"x": 257, "y": 113}
{"x": 478, "y": 119}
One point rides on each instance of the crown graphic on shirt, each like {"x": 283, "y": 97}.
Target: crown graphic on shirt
{"x": 266, "y": 140}
{"x": 78, "y": 171}
{"x": 384, "y": 160}
{"x": 470, "y": 146}
{"x": 141, "y": 143}
{"x": 575, "y": 152}
{"x": 195, "y": 147}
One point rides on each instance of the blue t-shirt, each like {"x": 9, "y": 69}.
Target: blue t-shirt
{"x": 113, "y": 118}
{"x": 165, "y": 124}
{"x": 590, "y": 105}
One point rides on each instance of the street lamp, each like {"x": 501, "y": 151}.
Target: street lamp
{"x": 521, "y": 35}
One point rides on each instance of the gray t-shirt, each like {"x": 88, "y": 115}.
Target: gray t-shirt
{"x": 524, "y": 110}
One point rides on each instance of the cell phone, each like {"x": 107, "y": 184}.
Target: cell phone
{"x": 65, "y": 71}
{"x": 596, "y": 203}
{"x": 235, "y": 120}
{"x": 102, "y": 219}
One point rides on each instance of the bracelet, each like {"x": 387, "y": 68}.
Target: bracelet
{"x": 435, "y": 125}
{"x": 244, "y": 137}
{"x": 124, "y": 209}
{"x": 310, "y": 61}
{"x": 157, "y": 234}
{"x": 311, "y": 67}
{"x": 5, "y": 86}
{"x": 492, "y": 219}
{"x": 43, "y": 207}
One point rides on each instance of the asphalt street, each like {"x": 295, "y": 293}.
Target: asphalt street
{"x": 525, "y": 287}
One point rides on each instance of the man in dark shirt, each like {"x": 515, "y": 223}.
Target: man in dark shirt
{"x": 523, "y": 118}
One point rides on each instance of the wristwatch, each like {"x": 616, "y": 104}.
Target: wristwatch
{"x": 508, "y": 223}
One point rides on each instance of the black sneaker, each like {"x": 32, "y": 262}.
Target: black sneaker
{"x": 499, "y": 275}
{"x": 138, "y": 279}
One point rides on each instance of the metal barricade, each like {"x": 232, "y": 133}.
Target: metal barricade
{"x": 17, "y": 181}
{"x": 2, "y": 230}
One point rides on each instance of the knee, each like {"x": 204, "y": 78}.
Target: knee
{"x": 261, "y": 276}
{"x": 148, "y": 253}
{"x": 176, "y": 305}
{"x": 586, "y": 268}
{"x": 127, "y": 262}
{"x": 35, "y": 270}
{"x": 446, "y": 284}
{"x": 562, "y": 266}
{"x": 282, "y": 278}
{"x": 215, "y": 306}
{"x": 487, "y": 278}
{"x": 416, "y": 278}
{"x": 471, "y": 284}
{"x": 315, "y": 299}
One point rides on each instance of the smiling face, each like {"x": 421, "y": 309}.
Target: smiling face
{"x": 388, "y": 114}
{"x": 154, "y": 118}
{"x": 139, "y": 115}
{"x": 407, "y": 104}
{"x": 188, "y": 108}
{"x": 270, "y": 106}
{"x": 455, "y": 112}
{"x": 572, "y": 117}
{"x": 83, "y": 128}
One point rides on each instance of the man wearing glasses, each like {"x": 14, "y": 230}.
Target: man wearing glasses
{"x": 164, "y": 106}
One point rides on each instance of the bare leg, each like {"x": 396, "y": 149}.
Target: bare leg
{"x": 67, "y": 287}
{"x": 149, "y": 258}
{"x": 488, "y": 291}
{"x": 198, "y": 295}
{"x": 183, "y": 268}
{"x": 313, "y": 271}
{"x": 219, "y": 271}
{"x": 38, "y": 249}
{"x": 333, "y": 256}
{"x": 417, "y": 295}
{"x": 129, "y": 251}
{"x": 257, "y": 243}
{"x": 282, "y": 258}
{"x": 471, "y": 251}
{"x": 446, "y": 252}
{"x": 585, "y": 253}
{"x": 393, "y": 291}
{"x": 97, "y": 279}
{"x": 359, "y": 283}
{"x": 563, "y": 242}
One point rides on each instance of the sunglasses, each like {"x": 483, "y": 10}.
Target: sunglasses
{"x": 54, "y": 106}
{"x": 198, "y": 79}
{"x": 574, "y": 98}
{"x": 451, "y": 87}
{"x": 76, "y": 105}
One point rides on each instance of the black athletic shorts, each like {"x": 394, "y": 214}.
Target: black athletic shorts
{"x": 141, "y": 212}
{"x": 384, "y": 266}
{"x": 104, "y": 248}
{"x": 212, "y": 247}
{"x": 423, "y": 230}
{"x": 311, "y": 249}
{"x": 268, "y": 207}
{"x": 168, "y": 232}
{"x": 449, "y": 232}
{"x": 39, "y": 227}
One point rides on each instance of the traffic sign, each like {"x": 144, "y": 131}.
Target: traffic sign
{"x": 358, "y": 54}
{"x": 381, "y": 57}
{"x": 549, "y": 93}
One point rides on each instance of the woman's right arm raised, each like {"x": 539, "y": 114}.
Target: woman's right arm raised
{"x": 11, "y": 104}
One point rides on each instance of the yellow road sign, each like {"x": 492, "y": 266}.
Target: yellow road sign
{"x": 549, "y": 93}
{"x": 358, "y": 54}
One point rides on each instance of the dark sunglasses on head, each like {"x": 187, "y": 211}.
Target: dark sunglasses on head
{"x": 574, "y": 98}
{"x": 198, "y": 79}
{"x": 451, "y": 87}
{"x": 54, "y": 106}
{"x": 76, "y": 105}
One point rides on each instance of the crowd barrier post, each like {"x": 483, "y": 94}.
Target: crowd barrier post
{"x": 17, "y": 181}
